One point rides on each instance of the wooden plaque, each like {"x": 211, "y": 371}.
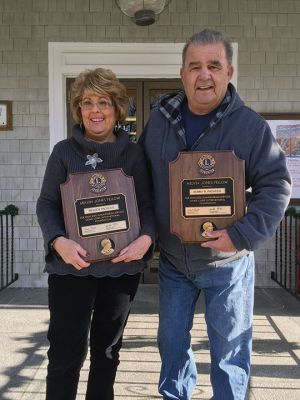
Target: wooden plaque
{"x": 207, "y": 192}
{"x": 100, "y": 212}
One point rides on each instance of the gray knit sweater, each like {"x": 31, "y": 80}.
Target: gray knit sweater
{"x": 70, "y": 156}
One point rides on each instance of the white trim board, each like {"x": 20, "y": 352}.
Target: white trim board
{"x": 126, "y": 60}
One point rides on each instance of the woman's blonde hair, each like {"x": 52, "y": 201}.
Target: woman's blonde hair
{"x": 101, "y": 82}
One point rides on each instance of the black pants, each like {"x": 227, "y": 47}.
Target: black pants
{"x": 79, "y": 306}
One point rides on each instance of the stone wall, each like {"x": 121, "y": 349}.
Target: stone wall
{"x": 268, "y": 37}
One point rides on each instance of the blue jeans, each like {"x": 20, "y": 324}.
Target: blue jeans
{"x": 229, "y": 296}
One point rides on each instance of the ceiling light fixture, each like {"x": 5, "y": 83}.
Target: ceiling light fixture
{"x": 142, "y": 12}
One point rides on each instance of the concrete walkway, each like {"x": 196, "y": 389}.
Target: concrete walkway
{"x": 23, "y": 346}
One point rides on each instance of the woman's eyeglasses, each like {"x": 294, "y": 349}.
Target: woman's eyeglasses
{"x": 101, "y": 105}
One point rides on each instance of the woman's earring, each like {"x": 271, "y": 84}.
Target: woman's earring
{"x": 118, "y": 126}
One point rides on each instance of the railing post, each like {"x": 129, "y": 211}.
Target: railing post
{"x": 7, "y": 246}
{"x": 297, "y": 252}
{"x": 287, "y": 252}
{"x": 1, "y": 251}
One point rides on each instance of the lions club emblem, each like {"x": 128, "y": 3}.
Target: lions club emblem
{"x": 97, "y": 183}
{"x": 206, "y": 164}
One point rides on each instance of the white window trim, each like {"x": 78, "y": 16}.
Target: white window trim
{"x": 126, "y": 60}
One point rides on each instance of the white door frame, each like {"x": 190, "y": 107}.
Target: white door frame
{"x": 126, "y": 60}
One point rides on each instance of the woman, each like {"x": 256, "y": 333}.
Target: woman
{"x": 91, "y": 298}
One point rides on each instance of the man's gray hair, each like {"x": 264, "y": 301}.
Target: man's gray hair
{"x": 210, "y": 36}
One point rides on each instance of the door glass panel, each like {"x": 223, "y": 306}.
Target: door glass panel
{"x": 134, "y": 122}
{"x": 130, "y": 123}
{"x": 70, "y": 119}
{"x": 153, "y": 90}
{"x": 155, "y": 94}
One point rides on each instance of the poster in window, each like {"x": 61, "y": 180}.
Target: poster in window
{"x": 286, "y": 129}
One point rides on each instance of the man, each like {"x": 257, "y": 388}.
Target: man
{"x": 209, "y": 115}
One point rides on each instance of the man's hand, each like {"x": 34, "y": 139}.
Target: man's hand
{"x": 71, "y": 252}
{"x": 222, "y": 241}
{"x": 135, "y": 250}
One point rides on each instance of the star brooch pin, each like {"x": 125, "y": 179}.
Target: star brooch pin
{"x": 93, "y": 160}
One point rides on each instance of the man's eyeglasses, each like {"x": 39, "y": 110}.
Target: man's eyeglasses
{"x": 101, "y": 105}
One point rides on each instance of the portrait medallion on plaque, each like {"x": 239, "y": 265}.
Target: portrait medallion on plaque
{"x": 207, "y": 192}
{"x": 100, "y": 212}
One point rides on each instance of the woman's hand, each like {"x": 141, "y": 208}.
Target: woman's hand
{"x": 71, "y": 252}
{"x": 135, "y": 250}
